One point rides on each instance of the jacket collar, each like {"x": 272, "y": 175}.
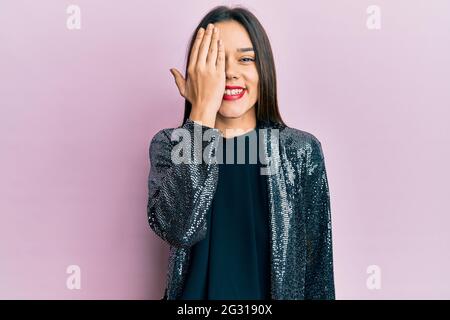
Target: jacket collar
{"x": 266, "y": 124}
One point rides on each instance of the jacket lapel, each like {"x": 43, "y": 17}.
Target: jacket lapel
{"x": 280, "y": 215}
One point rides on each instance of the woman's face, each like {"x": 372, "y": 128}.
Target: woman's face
{"x": 240, "y": 68}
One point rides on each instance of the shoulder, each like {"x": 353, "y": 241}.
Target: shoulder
{"x": 160, "y": 137}
{"x": 163, "y": 140}
{"x": 160, "y": 145}
{"x": 167, "y": 135}
{"x": 301, "y": 140}
{"x": 304, "y": 148}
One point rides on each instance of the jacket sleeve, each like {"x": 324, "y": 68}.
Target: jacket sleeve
{"x": 319, "y": 282}
{"x": 180, "y": 194}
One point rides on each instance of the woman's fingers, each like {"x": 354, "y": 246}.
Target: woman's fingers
{"x": 212, "y": 55}
{"x": 220, "y": 64}
{"x": 204, "y": 46}
{"x": 195, "y": 48}
{"x": 180, "y": 81}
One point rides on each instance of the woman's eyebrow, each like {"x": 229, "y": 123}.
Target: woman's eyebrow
{"x": 244, "y": 49}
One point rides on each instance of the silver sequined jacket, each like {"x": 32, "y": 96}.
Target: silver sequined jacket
{"x": 179, "y": 196}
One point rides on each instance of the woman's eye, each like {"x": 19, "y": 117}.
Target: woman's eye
{"x": 248, "y": 59}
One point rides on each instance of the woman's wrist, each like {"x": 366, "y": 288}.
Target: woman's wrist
{"x": 203, "y": 116}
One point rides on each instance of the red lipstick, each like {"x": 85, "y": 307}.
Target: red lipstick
{"x": 235, "y": 96}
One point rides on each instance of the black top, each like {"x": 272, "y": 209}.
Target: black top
{"x": 233, "y": 261}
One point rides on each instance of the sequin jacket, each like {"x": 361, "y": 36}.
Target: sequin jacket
{"x": 179, "y": 196}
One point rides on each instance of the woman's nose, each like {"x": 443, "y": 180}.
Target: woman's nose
{"x": 230, "y": 71}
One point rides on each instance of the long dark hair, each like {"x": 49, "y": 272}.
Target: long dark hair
{"x": 266, "y": 106}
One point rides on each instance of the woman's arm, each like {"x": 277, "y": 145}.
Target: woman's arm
{"x": 180, "y": 194}
{"x": 319, "y": 267}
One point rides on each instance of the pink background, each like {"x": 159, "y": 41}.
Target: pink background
{"x": 79, "y": 107}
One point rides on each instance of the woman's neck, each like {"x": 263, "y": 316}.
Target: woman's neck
{"x": 231, "y": 127}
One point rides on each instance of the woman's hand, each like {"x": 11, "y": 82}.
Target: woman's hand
{"x": 205, "y": 84}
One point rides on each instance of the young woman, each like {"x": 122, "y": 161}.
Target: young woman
{"x": 251, "y": 230}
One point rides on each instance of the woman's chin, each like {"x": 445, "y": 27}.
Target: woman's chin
{"x": 232, "y": 111}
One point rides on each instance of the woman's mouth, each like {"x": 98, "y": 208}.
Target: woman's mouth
{"x": 233, "y": 94}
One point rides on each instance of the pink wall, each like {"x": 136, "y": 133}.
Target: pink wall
{"x": 78, "y": 109}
